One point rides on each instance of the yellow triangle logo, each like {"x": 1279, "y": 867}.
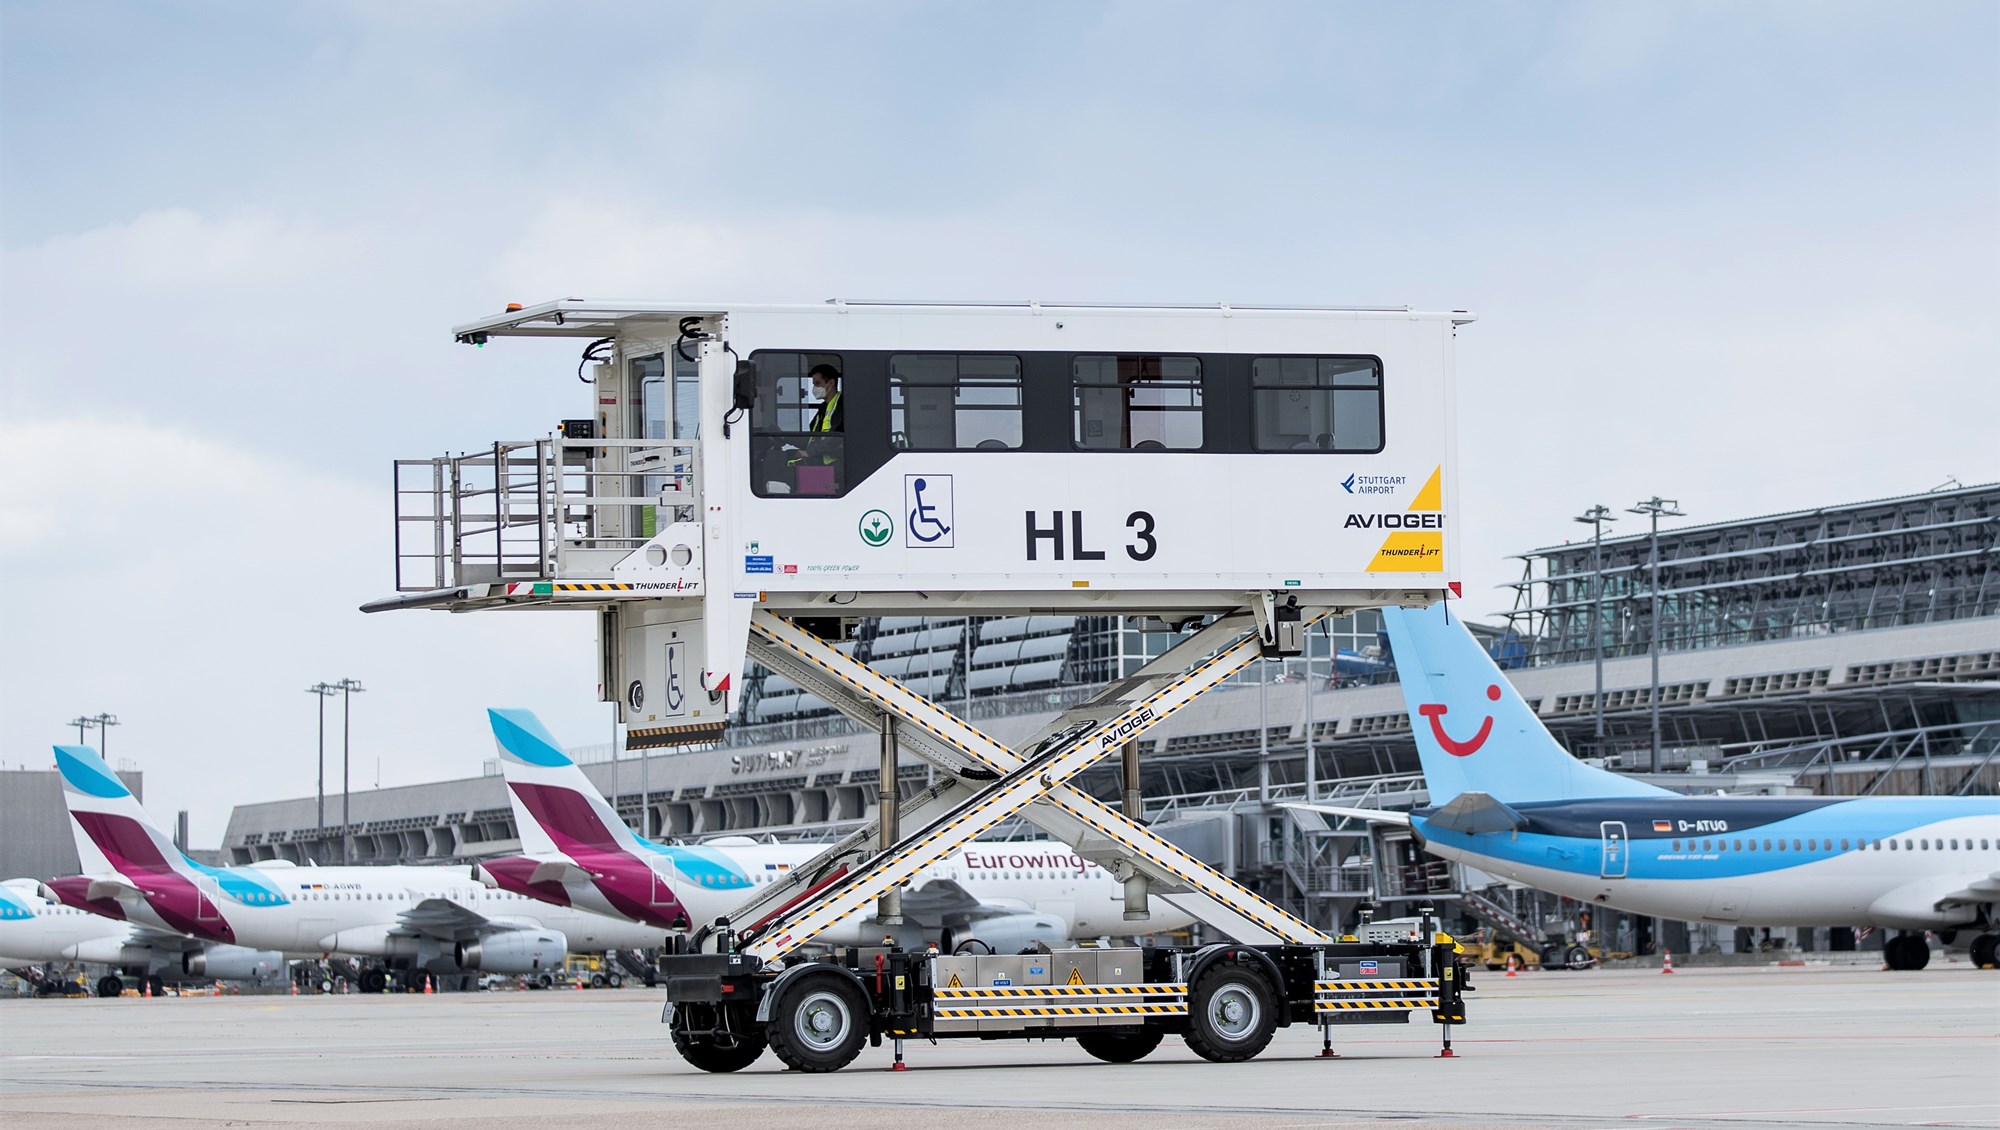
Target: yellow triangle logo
{"x": 1432, "y": 496}
{"x": 955, "y": 983}
{"x": 1076, "y": 976}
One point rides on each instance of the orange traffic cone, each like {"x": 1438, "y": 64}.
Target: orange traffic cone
{"x": 1667, "y": 966}
{"x": 430, "y": 984}
{"x": 146, "y": 987}
{"x": 295, "y": 988}
{"x": 1513, "y": 963}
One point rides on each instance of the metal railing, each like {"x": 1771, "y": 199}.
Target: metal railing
{"x": 535, "y": 509}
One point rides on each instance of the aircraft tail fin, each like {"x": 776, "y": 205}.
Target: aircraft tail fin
{"x": 113, "y": 833}
{"x": 556, "y": 807}
{"x": 1474, "y": 731}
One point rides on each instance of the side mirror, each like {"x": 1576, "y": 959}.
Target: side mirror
{"x": 746, "y": 385}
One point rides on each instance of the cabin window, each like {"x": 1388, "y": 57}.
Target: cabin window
{"x": 1317, "y": 403}
{"x": 1677, "y": 845}
{"x": 955, "y": 401}
{"x": 1137, "y": 402}
{"x": 1844, "y": 845}
{"x": 1767, "y": 845}
{"x": 1796, "y": 846}
{"x": 798, "y": 440}
{"x": 1739, "y": 845}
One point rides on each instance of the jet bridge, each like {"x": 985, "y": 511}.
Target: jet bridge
{"x": 743, "y": 480}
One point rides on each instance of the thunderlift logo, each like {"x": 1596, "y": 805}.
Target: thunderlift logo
{"x": 1416, "y": 540}
{"x": 1435, "y": 712}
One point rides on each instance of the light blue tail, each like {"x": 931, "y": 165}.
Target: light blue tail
{"x": 1474, "y": 731}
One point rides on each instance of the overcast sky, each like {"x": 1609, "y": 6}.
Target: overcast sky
{"x": 1743, "y": 255}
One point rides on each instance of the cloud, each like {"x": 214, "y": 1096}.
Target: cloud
{"x": 194, "y": 589}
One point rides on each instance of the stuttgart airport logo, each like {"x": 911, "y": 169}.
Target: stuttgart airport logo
{"x": 1435, "y": 711}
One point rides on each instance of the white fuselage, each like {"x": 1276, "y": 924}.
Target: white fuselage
{"x": 1723, "y": 883}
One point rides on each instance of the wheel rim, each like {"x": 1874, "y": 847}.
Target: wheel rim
{"x": 822, "y": 1021}
{"x": 1234, "y": 1012}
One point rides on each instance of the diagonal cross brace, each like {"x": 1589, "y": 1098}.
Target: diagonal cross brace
{"x": 840, "y": 883}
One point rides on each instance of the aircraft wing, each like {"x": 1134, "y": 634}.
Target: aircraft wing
{"x": 447, "y": 921}
{"x": 1371, "y": 815}
{"x": 942, "y": 900}
{"x": 1986, "y": 888}
{"x": 163, "y": 941}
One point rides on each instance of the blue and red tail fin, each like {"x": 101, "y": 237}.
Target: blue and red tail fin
{"x": 1474, "y": 731}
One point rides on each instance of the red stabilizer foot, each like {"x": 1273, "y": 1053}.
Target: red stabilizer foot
{"x": 1328, "y": 1053}
{"x": 1447, "y": 1054}
{"x": 898, "y": 1067}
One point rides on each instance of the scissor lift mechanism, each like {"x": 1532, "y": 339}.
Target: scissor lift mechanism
{"x": 982, "y": 783}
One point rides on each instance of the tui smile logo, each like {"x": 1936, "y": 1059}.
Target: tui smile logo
{"x": 1435, "y": 711}
{"x": 876, "y": 528}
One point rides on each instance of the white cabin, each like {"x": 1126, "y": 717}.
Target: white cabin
{"x": 967, "y": 459}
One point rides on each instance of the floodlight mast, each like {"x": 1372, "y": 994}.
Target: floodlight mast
{"x": 745, "y": 477}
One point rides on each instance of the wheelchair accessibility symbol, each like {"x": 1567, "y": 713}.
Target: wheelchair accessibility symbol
{"x": 927, "y": 502}
{"x": 676, "y": 692}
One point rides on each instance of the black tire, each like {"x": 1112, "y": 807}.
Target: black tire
{"x": 1552, "y": 958}
{"x": 1985, "y": 951}
{"x": 1576, "y": 957}
{"x": 1231, "y": 1014}
{"x": 373, "y": 981}
{"x": 819, "y": 1024}
{"x": 597, "y": 980}
{"x": 110, "y": 985}
{"x": 716, "y": 1054}
{"x": 1907, "y": 953}
{"x": 1121, "y": 1047}
{"x": 615, "y": 981}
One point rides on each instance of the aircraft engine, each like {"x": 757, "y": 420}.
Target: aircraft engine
{"x": 1012, "y": 933}
{"x": 379, "y": 941}
{"x": 233, "y": 963}
{"x": 516, "y": 951}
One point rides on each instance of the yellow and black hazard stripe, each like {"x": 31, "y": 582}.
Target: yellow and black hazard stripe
{"x": 657, "y": 737}
{"x": 1373, "y": 986}
{"x": 1385, "y": 1003}
{"x": 589, "y": 586}
{"x": 1030, "y": 1013}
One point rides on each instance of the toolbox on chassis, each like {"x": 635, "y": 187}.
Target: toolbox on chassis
{"x": 1226, "y": 1001}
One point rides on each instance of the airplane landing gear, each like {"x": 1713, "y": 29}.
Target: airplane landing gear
{"x": 110, "y": 985}
{"x": 1906, "y": 952}
{"x": 374, "y": 981}
{"x": 1985, "y": 951}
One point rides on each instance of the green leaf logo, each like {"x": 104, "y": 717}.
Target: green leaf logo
{"x": 876, "y": 529}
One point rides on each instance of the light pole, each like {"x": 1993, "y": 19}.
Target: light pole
{"x": 347, "y": 688}
{"x": 1595, "y": 517}
{"x": 104, "y": 724}
{"x": 324, "y": 691}
{"x": 1656, "y": 508}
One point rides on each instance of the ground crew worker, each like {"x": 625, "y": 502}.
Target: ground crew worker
{"x": 813, "y": 468}
{"x": 832, "y": 416}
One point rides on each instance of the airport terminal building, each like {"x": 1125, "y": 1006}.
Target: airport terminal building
{"x": 1843, "y": 650}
